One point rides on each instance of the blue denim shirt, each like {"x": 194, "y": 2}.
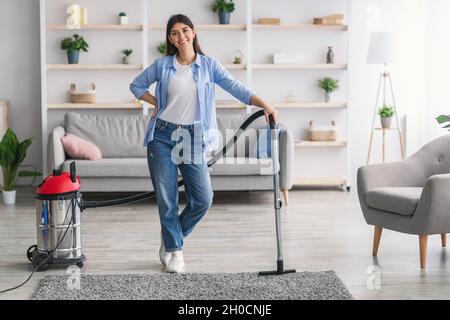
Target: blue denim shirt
{"x": 207, "y": 72}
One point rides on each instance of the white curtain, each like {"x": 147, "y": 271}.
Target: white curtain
{"x": 438, "y": 99}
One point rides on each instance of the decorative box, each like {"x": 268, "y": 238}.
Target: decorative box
{"x": 322, "y": 132}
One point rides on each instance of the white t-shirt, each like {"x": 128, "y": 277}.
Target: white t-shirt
{"x": 181, "y": 97}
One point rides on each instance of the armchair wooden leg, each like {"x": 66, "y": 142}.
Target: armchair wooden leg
{"x": 444, "y": 239}
{"x": 376, "y": 240}
{"x": 286, "y": 197}
{"x": 423, "y": 250}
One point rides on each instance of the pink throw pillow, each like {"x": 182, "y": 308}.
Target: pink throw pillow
{"x": 78, "y": 148}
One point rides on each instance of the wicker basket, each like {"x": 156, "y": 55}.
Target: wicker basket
{"x": 82, "y": 97}
{"x": 322, "y": 133}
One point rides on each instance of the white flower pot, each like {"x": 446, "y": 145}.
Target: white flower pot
{"x": 9, "y": 197}
{"x": 123, "y": 20}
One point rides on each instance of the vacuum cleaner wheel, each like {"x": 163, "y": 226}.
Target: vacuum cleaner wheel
{"x": 30, "y": 252}
{"x": 41, "y": 261}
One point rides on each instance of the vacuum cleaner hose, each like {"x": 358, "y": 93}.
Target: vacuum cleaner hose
{"x": 148, "y": 195}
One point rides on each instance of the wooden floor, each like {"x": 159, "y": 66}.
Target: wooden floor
{"x": 322, "y": 230}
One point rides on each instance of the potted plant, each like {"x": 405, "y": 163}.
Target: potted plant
{"x": 73, "y": 45}
{"x": 386, "y": 112}
{"x": 123, "y": 18}
{"x": 328, "y": 85}
{"x": 127, "y": 53}
{"x": 162, "y": 47}
{"x": 442, "y": 119}
{"x": 12, "y": 154}
{"x": 224, "y": 7}
{"x": 238, "y": 57}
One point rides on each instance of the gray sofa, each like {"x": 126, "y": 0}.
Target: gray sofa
{"x": 124, "y": 164}
{"x": 410, "y": 196}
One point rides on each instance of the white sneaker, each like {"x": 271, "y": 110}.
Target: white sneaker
{"x": 163, "y": 255}
{"x": 176, "y": 262}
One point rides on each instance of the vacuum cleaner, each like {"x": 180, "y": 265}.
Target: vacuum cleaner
{"x": 59, "y": 204}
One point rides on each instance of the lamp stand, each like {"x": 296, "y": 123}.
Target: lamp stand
{"x": 385, "y": 77}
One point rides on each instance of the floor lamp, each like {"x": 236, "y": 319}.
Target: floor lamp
{"x": 382, "y": 51}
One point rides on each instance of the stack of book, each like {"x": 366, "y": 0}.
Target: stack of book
{"x": 332, "y": 19}
{"x": 274, "y": 21}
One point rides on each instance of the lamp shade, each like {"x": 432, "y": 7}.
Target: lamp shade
{"x": 381, "y": 48}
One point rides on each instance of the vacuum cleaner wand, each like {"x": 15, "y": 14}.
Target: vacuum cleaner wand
{"x": 277, "y": 203}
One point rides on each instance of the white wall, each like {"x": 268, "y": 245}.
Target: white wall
{"x": 20, "y": 79}
{"x": 408, "y": 20}
{"x": 20, "y": 71}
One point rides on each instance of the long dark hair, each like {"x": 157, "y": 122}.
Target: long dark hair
{"x": 171, "y": 49}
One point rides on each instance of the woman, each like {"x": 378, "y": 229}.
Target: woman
{"x": 184, "y": 107}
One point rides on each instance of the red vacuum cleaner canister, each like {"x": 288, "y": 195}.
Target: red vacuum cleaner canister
{"x": 59, "y": 183}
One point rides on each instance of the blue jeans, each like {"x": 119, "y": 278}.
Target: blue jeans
{"x": 164, "y": 160}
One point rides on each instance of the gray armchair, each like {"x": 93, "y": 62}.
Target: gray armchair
{"x": 410, "y": 196}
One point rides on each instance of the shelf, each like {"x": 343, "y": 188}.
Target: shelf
{"x": 98, "y": 105}
{"x": 97, "y": 27}
{"x": 94, "y": 66}
{"x": 241, "y": 27}
{"x": 143, "y": 32}
{"x": 221, "y": 104}
{"x": 310, "y": 105}
{"x": 320, "y": 144}
{"x": 272, "y": 66}
{"x": 225, "y": 104}
{"x": 300, "y": 27}
{"x": 79, "y": 66}
{"x": 319, "y": 182}
{"x": 232, "y": 66}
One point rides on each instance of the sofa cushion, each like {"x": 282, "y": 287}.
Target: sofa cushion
{"x": 110, "y": 167}
{"x": 117, "y": 136}
{"x": 78, "y": 148}
{"x": 137, "y": 167}
{"x": 402, "y": 201}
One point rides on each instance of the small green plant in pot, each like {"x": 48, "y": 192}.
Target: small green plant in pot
{"x": 442, "y": 119}
{"x": 238, "y": 57}
{"x": 123, "y": 18}
{"x": 162, "y": 47}
{"x": 386, "y": 113}
{"x": 328, "y": 85}
{"x": 73, "y": 45}
{"x": 224, "y": 8}
{"x": 12, "y": 154}
{"x": 126, "y": 53}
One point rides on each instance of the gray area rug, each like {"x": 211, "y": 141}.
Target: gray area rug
{"x": 192, "y": 286}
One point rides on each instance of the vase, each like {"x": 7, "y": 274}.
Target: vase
{"x": 126, "y": 60}
{"x": 224, "y": 17}
{"x": 123, "y": 20}
{"x": 9, "y": 197}
{"x": 385, "y": 122}
{"x": 73, "y": 56}
{"x": 327, "y": 96}
{"x": 330, "y": 55}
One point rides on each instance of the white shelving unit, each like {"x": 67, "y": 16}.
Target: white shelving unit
{"x": 247, "y": 26}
